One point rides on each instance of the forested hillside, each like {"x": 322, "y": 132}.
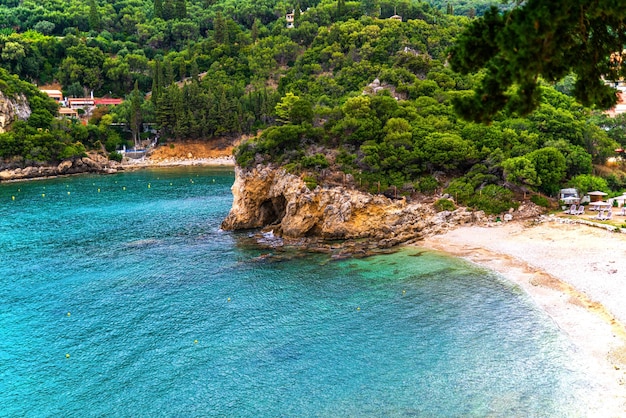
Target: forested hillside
{"x": 349, "y": 87}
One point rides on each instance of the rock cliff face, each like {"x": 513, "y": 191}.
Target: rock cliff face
{"x": 11, "y": 109}
{"x": 266, "y": 197}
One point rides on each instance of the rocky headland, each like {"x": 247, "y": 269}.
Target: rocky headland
{"x": 280, "y": 204}
{"x": 13, "y": 171}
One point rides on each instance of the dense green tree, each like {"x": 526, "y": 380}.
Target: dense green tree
{"x": 586, "y": 183}
{"x": 94, "y": 16}
{"x": 551, "y": 168}
{"x": 538, "y": 39}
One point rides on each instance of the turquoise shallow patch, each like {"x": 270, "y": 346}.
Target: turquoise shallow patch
{"x": 163, "y": 314}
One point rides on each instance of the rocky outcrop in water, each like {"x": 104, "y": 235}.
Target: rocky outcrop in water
{"x": 12, "y": 109}
{"x": 15, "y": 171}
{"x": 270, "y": 198}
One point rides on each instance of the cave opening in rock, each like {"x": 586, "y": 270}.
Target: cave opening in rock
{"x": 272, "y": 210}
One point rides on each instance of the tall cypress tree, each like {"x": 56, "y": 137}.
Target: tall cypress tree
{"x": 168, "y": 10}
{"x": 136, "y": 117}
{"x": 341, "y": 7}
{"x": 254, "y": 31}
{"x": 220, "y": 29}
{"x": 157, "y": 83}
{"x": 180, "y": 7}
{"x": 158, "y": 8}
{"x": 94, "y": 16}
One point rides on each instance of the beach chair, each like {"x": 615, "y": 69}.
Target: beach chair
{"x": 571, "y": 210}
{"x": 623, "y": 212}
{"x": 599, "y": 216}
{"x": 581, "y": 210}
{"x": 608, "y": 216}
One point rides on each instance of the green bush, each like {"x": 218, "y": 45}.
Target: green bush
{"x": 444, "y": 204}
{"x": 427, "y": 184}
{"x": 311, "y": 182}
{"x": 317, "y": 161}
{"x": 493, "y": 200}
{"x": 539, "y": 200}
{"x": 116, "y": 156}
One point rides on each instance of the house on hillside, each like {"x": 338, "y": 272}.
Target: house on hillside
{"x": 620, "y": 106}
{"x": 291, "y": 17}
{"x": 68, "y": 113}
{"x": 57, "y": 95}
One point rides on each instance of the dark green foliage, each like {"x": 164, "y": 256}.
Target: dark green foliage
{"x": 539, "y": 39}
{"x": 317, "y": 161}
{"x": 540, "y": 200}
{"x": 493, "y": 199}
{"x": 585, "y": 183}
{"x": 427, "y": 184}
{"x": 444, "y": 204}
{"x": 116, "y": 156}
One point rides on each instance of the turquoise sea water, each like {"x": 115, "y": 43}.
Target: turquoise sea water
{"x": 163, "y": 314}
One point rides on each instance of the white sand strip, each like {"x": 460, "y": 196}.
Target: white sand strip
{"x": 575, "y": 273}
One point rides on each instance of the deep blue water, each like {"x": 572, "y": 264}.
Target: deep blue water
{"x": 120, "y": 296}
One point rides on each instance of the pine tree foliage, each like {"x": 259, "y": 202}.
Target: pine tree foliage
{"x": 546, "y": 40}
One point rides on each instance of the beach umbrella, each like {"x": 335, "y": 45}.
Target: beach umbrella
{"x": 596, "y": 195}
{"x": 600, "y": 203}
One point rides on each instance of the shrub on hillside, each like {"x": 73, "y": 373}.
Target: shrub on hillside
{"x": 444, "y": 204}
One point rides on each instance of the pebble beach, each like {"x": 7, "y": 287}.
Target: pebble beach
{"x": 575, "y": 273}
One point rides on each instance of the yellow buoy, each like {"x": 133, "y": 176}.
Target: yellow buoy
{"x": 67, "y": 355}
{"x": 228, "y": 299}
{"x": 170, "y": 184}
{"x": 195, "y": 341}
{"x": 98, "y": 190}
{"x": 12, "y": 197}
{"x": 148, "y": 185}
{"x": 68, "y": 314}
{"x": 358, "y": 308}
{"x": 124, "y": 188}
{"x": 404, "y": 292}
{"x": 68, "y": 193}
{"x": 213, "y": 180}
{"x": 43, "y": 195}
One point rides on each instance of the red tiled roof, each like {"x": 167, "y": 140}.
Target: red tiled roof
{"x": 107, "y": 101}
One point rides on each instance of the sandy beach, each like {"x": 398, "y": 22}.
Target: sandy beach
{"x": 175, "y": 162}
{"x": 576, "y": 274}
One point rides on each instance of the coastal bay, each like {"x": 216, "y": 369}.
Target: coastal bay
{"x": 124, "y": 296}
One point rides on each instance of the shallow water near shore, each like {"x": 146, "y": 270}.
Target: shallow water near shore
{"x": 122, "y": 297}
